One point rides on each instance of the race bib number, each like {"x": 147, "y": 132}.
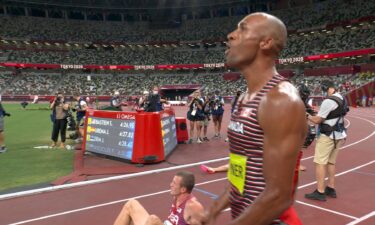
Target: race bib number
{"x": 237, "y": 171}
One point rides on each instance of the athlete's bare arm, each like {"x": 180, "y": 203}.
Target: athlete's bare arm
{"x": 282, "y": 117}
{"x": 193, "y": 212}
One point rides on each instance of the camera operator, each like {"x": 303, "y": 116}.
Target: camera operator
{"x": 217, "y": 111}
{"x": 196, "y": 116}
{"x": 80, "y": 109}
{"x": 155, "y": 102}
{"x": 143, "y": 101}
{"x": 60, "y": 111}
{"x": 304, "y": 93}
{"x": 207, "y": 115}
{"x": 332, "y": 135}
{"x": 116, "y": 102}
{"x": 3, "y": 113}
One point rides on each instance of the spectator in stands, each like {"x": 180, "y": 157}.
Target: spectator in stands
{"x": 196, "y": 116}
{"x": 3, "y": 113}
{"x": 60, "y": 111}
{"x": 185, "y": 209}
{"x": 217, "y": 111}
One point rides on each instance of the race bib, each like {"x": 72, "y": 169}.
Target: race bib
{"x": 237, "y": 171}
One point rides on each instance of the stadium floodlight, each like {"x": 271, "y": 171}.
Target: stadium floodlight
{"x": 67, "y": 44}
{"x": 26, "y": 42}
{"x": 122, "y": 46}
{"x": 14, "y": 41}
{"x": 46, "y": 43}
{"x": 312, "y": 32}
{"x": 57, "y": 44}
{"x": 36, "y": 43}
{"x": 348, "y": 26}
{"x": 76, "y": 44}
{"x": 324, "y": 30}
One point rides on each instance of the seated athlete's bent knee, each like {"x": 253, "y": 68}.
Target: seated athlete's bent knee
{"x": 130, "y": 204}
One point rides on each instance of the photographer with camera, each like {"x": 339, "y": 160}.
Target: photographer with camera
{"x": 217, "y": 111}
{"x": 116, "y": 102}
{"x": 155, "y": 101}
{"x": 60, "y": 111}
{"x": 304, "y": 93}
{"x": 143, "y": 101}
{"x": 207, "y": 115}
{"x": 332, "y": 135}
{"x": 80, "y": 109}
{"x": 3, "y": 113}
{"x": 196, "y": 116}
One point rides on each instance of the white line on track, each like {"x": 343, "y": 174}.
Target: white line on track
{"x": 365, "y": 217}
{"x": 327, "y": 210}
{"x": 162, "y": 192}
{"x": 339, "y": 174}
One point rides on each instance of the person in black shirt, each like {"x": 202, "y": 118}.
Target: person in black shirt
{"x": 196, "y": 116}
{"x": 155, "y": 102}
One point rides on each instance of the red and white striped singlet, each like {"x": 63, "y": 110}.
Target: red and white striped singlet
{"x": 246, "y": 139}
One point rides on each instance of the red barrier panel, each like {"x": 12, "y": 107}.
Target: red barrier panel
{"x": 140, "y": 137}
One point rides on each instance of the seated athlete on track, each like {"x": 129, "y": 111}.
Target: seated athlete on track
{"x": 185, "y": 207}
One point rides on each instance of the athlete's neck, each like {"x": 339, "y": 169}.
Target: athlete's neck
{"x": 258, "y": 74}
{"x": 181, "y": 198}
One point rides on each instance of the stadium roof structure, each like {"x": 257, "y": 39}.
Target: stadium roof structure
{"x": 134, "y": 4}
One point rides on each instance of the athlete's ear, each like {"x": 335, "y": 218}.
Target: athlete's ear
{"x": 183, "y": 189}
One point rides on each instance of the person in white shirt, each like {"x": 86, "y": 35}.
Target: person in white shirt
{"x": 332, "y": 135}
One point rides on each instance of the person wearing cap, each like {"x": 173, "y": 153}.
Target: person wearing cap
{"x": 142, "y": 103}
{"x": 332, "y": 135}
{"x": 116, "y": 102}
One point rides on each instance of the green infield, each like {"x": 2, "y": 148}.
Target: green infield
{"x": 24, "y": 165}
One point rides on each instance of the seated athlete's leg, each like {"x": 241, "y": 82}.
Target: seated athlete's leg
{"x": 153, "y": 220}
{"x": 132, "y": 213}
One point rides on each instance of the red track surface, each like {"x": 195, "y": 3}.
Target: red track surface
{"x": 100, "y": 203}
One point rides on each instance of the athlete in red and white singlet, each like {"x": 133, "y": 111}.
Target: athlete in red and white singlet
{"x": 266, "y": 132}
{"x": 176, "y": 216}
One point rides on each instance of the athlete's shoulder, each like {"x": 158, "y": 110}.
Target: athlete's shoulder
{"x": 284, "y": 93}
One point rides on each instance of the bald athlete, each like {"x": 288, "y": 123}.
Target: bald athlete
{"x": 266, "y": 130}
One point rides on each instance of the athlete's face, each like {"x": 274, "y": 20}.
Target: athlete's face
{"x": 243, "y": 43}
{"x": 175, "y": 186}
